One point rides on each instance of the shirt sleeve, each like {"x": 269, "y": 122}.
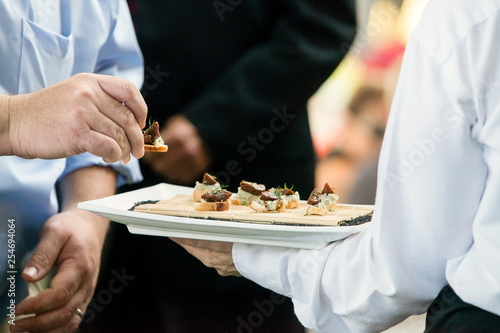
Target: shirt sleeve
{"x": 435, "y": 218}
{"x": 127, "y": 173}
{"x": 120, "y": 56}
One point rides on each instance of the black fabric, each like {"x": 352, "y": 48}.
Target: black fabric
{"x": 228, "y": 70}
{"x": 448, "y": 313}
{"x": 239, "y": 70}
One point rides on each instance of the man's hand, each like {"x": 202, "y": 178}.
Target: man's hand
{"x": 71, "y": 243}
{"x": 188, "y": 157}
{"x": 212, "y": 254}
{"x": 92, "y": 113}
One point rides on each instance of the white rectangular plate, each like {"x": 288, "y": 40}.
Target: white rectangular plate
{"x": 116, "y": 208}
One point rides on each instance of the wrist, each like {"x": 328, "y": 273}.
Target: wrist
{"x": 5, "y": 120}
{"x": 95, "y": 225}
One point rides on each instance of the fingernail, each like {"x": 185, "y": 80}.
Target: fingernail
{"x": 31, "y": 271}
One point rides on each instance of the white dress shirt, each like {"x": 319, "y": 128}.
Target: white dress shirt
{"x": 437, "y": 213}
{"x": 41, "y": 43}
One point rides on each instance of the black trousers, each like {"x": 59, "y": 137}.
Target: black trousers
{"x": 448, "y": 313}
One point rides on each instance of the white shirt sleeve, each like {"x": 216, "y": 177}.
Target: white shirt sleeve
{"x": 436, "y": 216}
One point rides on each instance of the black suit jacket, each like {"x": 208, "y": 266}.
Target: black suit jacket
{"x": 242, "y": 72}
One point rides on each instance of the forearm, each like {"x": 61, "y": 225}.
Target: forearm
{"x": 5, "y": 148}
{"x": 87, "y": 184}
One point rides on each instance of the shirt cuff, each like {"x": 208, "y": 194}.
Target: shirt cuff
{"x": 127, "y": 173}
{"x": 265, "y": 265}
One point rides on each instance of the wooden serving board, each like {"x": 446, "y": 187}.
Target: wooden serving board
{"x": 183, "y": 206}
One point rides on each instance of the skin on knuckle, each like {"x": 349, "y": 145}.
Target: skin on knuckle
{"x": 83, "y": 143}
{"x": 83, "y": 76}
{"x": 67, "y": 315}
{"x": 129, "y": 88}
{"x": 226, "y": 270}
{"x": 86, "y": 92}
{"x": 79, "y": 134}
{"x": 72, "y": 328}
{"x": 63, "y": 296}
{"x": 223, "y": 272}
{"x": 119, "y": 134}
{"x": 128, "y": 119}
{"x": 111, "y": 150}
{"x": 212, "y": 261}
{"x": 87, "y": 267}
{"x": 42, "y": 259}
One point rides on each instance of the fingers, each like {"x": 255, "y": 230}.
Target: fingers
{"x": 121, "y": 125}
{"x": 217, "y": 255}
{"x": 62, "y": 289}
{"x": 127, "y": 93}
{"x": 55, "y": 308}
{"x": 105, "y": 114}
{"x": 120, "y": 148}
{"x": 63, "y": 319}
{"x": 48, "y": 300}
{"x": 101, "y": 145}
{"x": 221, "y": 247}
{"x": 45, "y": 254}
{"x": 222, "y": 262}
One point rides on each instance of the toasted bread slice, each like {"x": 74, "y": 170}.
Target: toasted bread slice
{"x": 312, "y": 210}
{"x": 332, "y": 207}
{"x": 198, "y": 193}
{"x": 258, "y": 207}
{"x": 156, "y": 148}
{"x": 212, "y": 206}
{"x": 292, "y": 204}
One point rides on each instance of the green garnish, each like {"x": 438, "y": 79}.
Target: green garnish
{"x": 277, "y": 191}
{"x": 151, "y": 121}
{"x": 219, "y": 189}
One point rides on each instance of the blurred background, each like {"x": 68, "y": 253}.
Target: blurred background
{"x": 348, "y": 113}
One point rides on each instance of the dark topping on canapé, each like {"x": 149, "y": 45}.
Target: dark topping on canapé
{"x": 216, "y": 196}
{"x": 209, "y": 180}
{"x": 152, "y": 133}
{"x": 270, "y": 195}
{"x": 327, "y": 189}
{"x": 286, "y": 191}
{"x": 314, "y": 198}
{"x": 252, "y": 188}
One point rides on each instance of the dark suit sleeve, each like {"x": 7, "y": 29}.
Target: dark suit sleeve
{"x": 307, "y": 41}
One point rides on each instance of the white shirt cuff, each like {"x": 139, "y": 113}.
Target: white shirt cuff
{"x": 265, "y": 265}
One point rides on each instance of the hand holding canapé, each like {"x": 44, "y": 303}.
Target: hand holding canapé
{"x": 92, "y": 113}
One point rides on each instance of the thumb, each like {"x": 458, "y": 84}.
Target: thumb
{"x": 44, "y": 257}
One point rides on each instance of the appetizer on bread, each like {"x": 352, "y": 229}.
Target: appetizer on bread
{"x": 152, "y": 139}
{"x": 209, "y": 184}
{"x": 215, "y": 200}
{"x": 247, "y": 192}
{"x": 269, "y": 201}
{"x": 315, "y": 205}
{"x": 290, "y": 197}
{"x": 329, "y": 198}
{"x": 320, "y": 203}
